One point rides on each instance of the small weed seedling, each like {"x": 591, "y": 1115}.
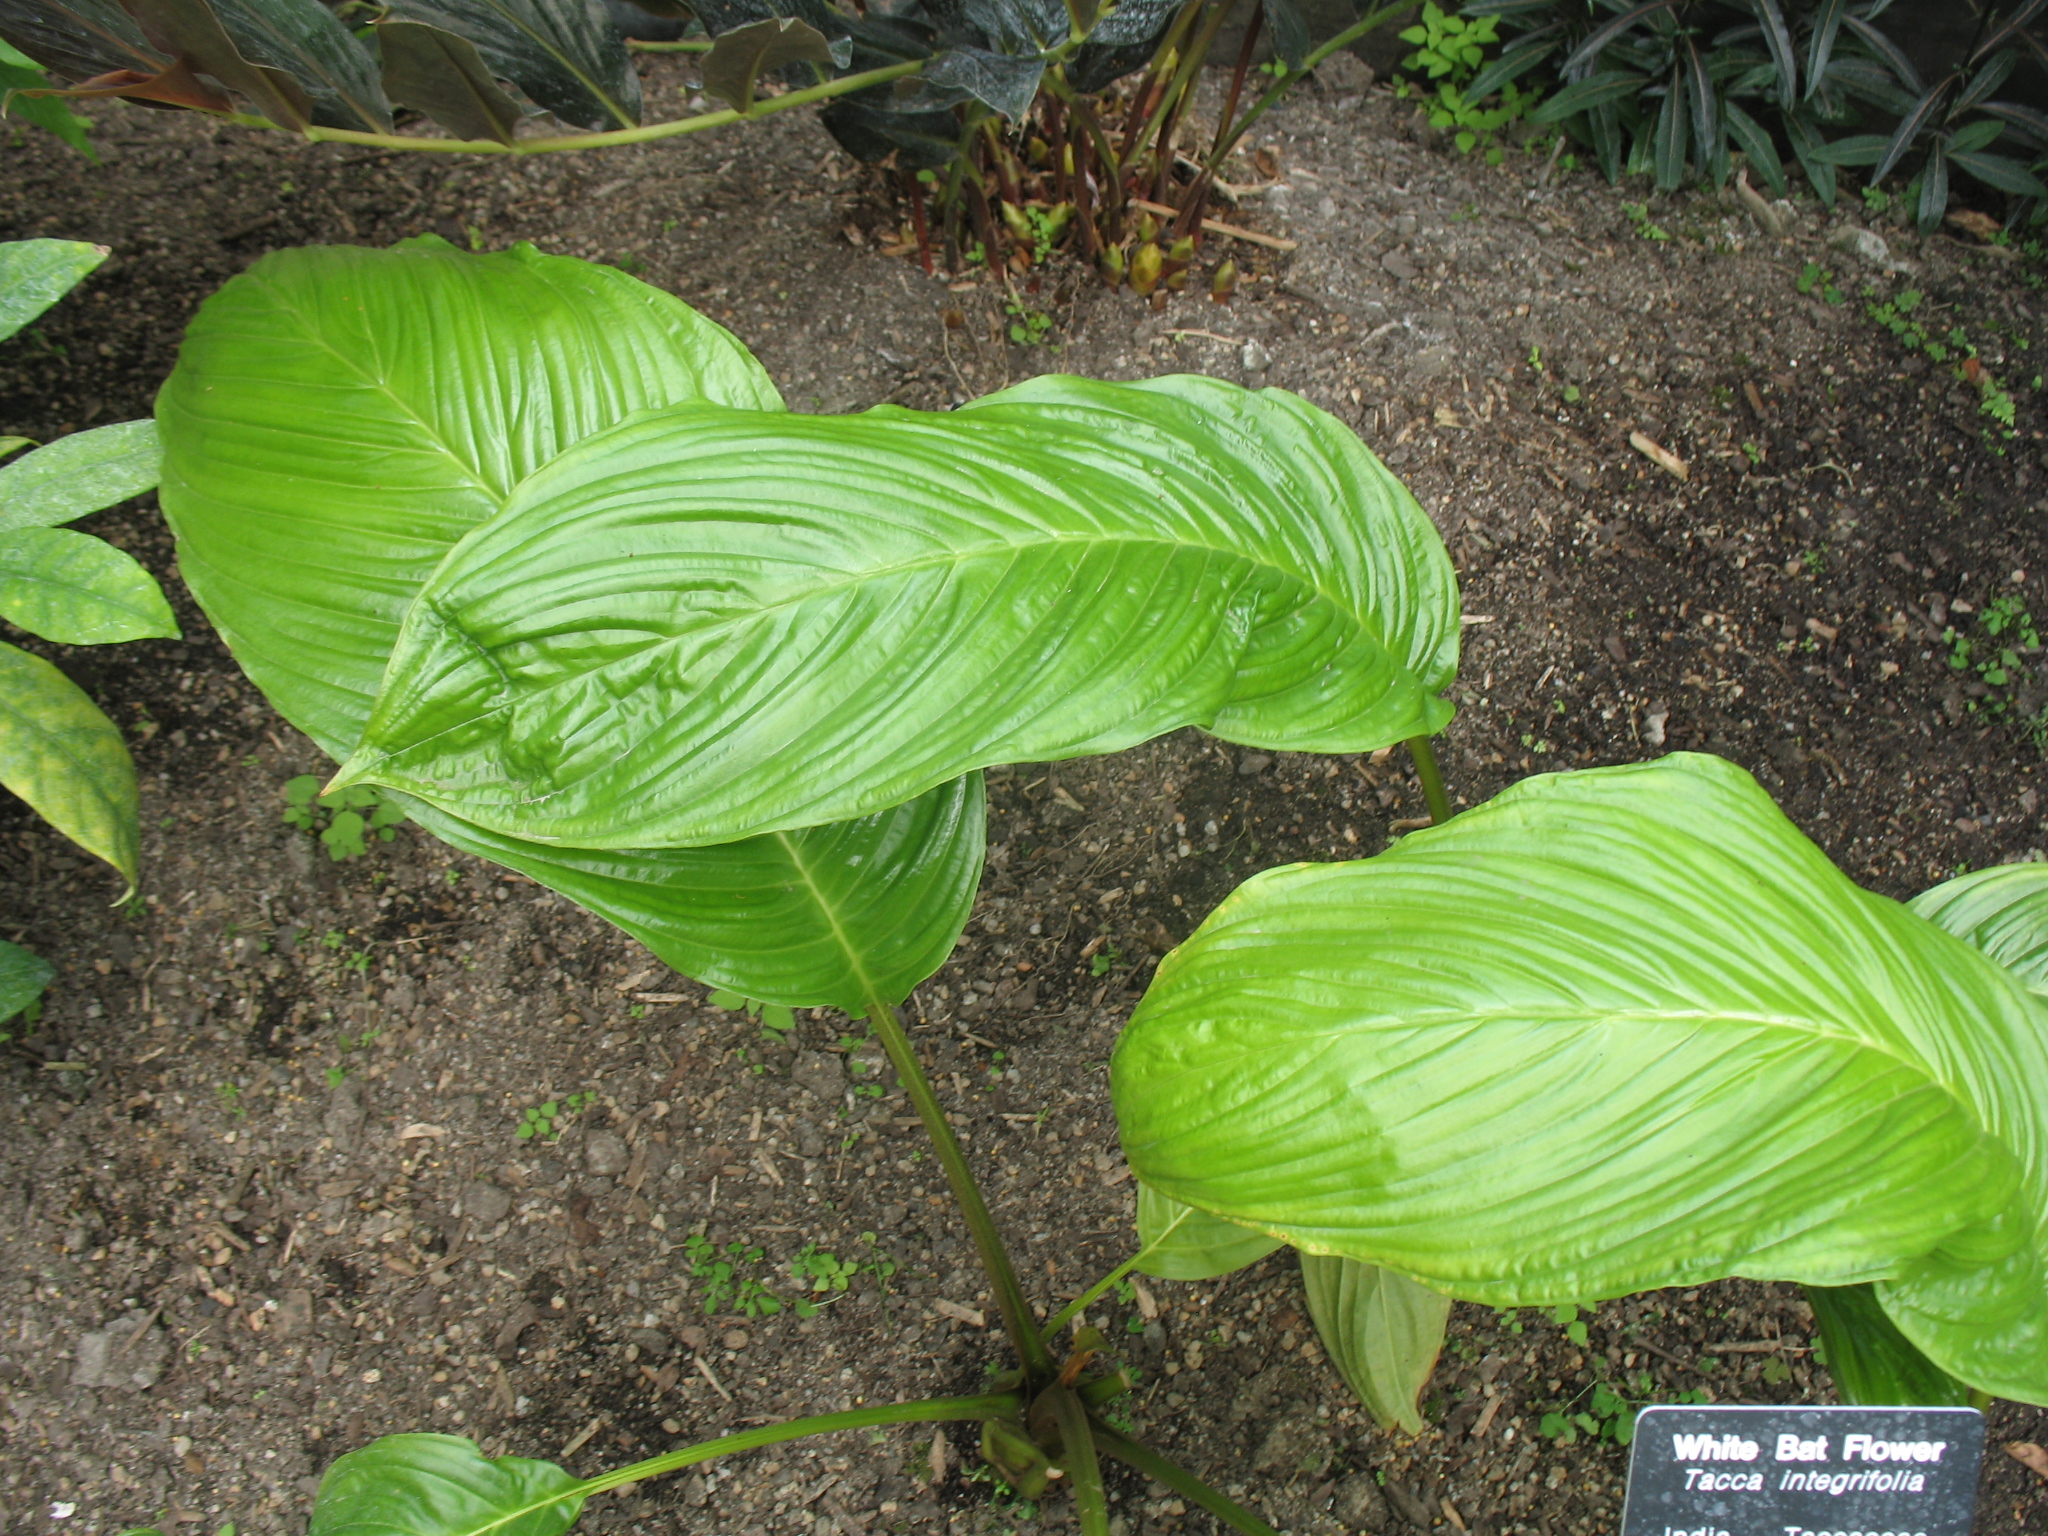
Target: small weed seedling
{"x": 818, "y": 1273}
{"x": 345, "y": 820}
{"x": 546, "y": 1122}
{"x": 1639, "y": 215}
{"x": 1028, "y": 327}
{"x": 1814, "y": 278}
{"x": 725, "y": 1288}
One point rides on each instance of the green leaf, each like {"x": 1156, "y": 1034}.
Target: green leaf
{"x": 1614, "y": 1030}
{"x": 82, "y": 473}
{"x": 19, "y": 74}
{"x": 807, "y": 919}
{"x": 709, "y": 623}
{"x": 565, "y": 54}
{"x": 442, "y": 1485}
{"x": 1193, "y": 1245}
{"x": 1382, "y": 1332}
{"x": 67, "y": 760}
{"x": 340, "y": 416}
{"x": 2001, "y": 911}
{"x": 457, "y": 376}
{"x": 23, "y": 975}
{"x": 34, "y": 274}
{"x": 78, "y": 590}
{"x": 1871, "y": 1361}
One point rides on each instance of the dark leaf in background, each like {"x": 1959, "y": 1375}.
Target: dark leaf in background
{"x": 1582, "y": 57}
{"x": 1755, "y": 142}
{"x": 2009, "y": 30}
{"x": 1887, "y": 50}
{"x": 78, "y": 38}
{"x": 564, "y": 54}
{"x": 1290, "y": 32}
{"x": 442, "y": 75}
{"x": 1998, "y": 171}
{"x": 738, "y": 59}
{"x": 1986, "y": 80}
{"x": 1910, "y": 127}
{"x": 1807, "y": 147}
{"x": 1670, "y": 135}
{"x": 1516, "y": 60}
{"x": 1778, "y": 39}
{"x": 302, "y": 38}
{"x": 2031, "y": 124}
{"x": 1135, "y": 21}
{"x": 1826, "y": 23}
{"x": 1585, "y": 95}
{"x": 1933, "y": 188}
{"x": 1004, "y": 83}
{"x": 921, "y": 141}
{"x": 190, "y": 32}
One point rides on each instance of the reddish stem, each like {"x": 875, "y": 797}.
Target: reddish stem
{"x": 915, "y": 192}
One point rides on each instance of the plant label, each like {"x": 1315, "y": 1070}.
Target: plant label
{"x": 1798, "y": 1471}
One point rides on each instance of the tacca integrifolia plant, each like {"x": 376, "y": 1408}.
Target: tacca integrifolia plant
{"x": 578, "y": 594}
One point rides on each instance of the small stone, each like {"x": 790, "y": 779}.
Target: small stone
{"x": 656, "y": 1159}
{"x": 1344, "y": 73}
{"x": 821, "y": 1073}
{"x": 692, "y": 1336}
{"x": 485, "y": 1204}
{"x": 654, "y": 1344}
{"x": 1863, "y": 244}
{"x": 1398, "y": 264}
{"x": 1255, "y": 357}
{"x": 113, "y": 1356}
{"x": 1253, "y": 763}
{"x": 734, "y": 1338}
{"x": 891, "y": 1218}
{"x": 605, "y": 1154}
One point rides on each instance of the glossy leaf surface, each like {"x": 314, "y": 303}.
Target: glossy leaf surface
{"x": 339, "y": 417}
{"x": 78, "y": 38}
{"x": 2001, "y": 911}
{"x": 565, "y": 54}
{"x": 1193, "y": 1244}
{"x": 709, "y": 623}
{"x": 66, "y": 759}
{"x": 34, "y": 274}
{"x": 323, "y": 456}
{"x": 85, "y": 472}
{"x": 1382, "y": 1331}
{"x": 78, "y": 590}
{"x": 441, "y": 1485}
{"x": 441, "y": 74}
{"x": 23, "y": 976}
{"x": 303, "y": 38}
{"x": 1613, "y": 1030}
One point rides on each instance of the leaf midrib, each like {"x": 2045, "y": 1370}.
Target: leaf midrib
{"x": 827, "y": 587}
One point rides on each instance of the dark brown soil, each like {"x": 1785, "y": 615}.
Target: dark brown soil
{"x": 274, "y": 1112}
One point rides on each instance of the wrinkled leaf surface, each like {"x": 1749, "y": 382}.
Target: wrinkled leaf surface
{"x": 709, "y": 623}
{"x": 1614, "y": 1030}
{"x": 2002, "y": 911}
{"x": 1192, "y": 1244}
{"x": 1382, "y": 1332}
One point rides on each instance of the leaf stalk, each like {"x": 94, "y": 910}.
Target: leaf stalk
{"x": 1423, "y": 750}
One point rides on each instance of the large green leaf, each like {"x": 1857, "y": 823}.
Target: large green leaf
{"x": 1182, "y": 1243}
{"x": 339, "y": 417}
{"x": 78, "y": 590}
{"x": 2002, "y": 911}
{"x": 565, "y": 54}
{"x": 66, "y": 759}
{"x": 708, "y": 623}
{"x": 1382, "y": 1330}
{"x": 23, "y": 975}
{"x": 1613, "y": 1030}
{"x": 34, "y": 274}
{"x": 442, "y": 1485}
{"x": 82, "y": 473}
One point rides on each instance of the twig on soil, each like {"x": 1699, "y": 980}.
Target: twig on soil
{"x": 705, "y": 1371}
{"x": 1683, "y": 1365}
{"x": 1218, "y": 227}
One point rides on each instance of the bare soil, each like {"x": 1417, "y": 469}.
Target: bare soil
{"x": 271, "y": 1116}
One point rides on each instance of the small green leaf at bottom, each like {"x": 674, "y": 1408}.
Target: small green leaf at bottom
{"x": 23, "y": 975}
{"x": 442, "y": 1485}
